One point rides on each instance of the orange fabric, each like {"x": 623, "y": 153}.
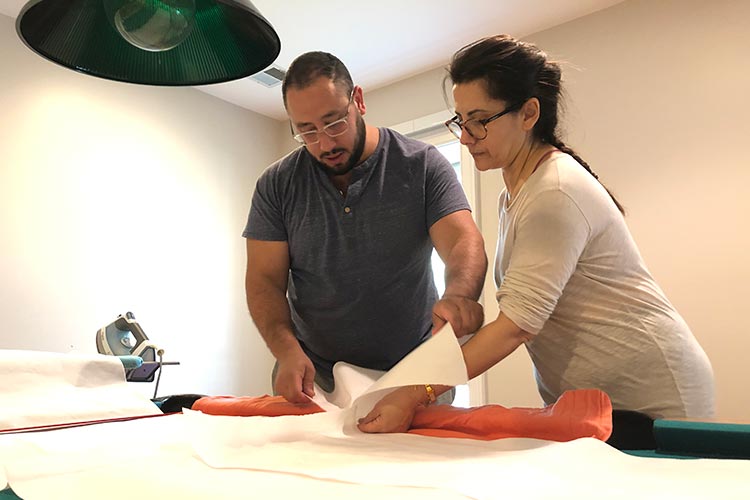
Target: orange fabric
{"x": 579, "y": 413}
{"x": 576, "y": 414}
{"x": 259, "y": 406}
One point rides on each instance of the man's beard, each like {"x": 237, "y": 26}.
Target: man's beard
{"x": 354, "y": 157}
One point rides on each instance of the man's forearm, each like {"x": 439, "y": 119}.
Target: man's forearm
{"x": 269, "y": 310}
{"x": 465, "y": 269}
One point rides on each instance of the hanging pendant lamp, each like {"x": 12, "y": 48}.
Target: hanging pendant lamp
{"x": 152, "y": 42}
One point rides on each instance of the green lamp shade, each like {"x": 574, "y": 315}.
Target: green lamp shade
{"x": 151, "y": 42}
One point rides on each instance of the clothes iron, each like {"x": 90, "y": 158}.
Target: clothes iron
{"x": 124, "y": 337}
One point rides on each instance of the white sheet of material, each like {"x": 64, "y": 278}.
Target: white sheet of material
{"x": 317, "y": 446}
{"x": 509, "y": 468}
{"x": 153, "y": 458}
{"x": 46, "y": 388}
{"x": 438, "y": 361}
{"x": 313, "y": 457}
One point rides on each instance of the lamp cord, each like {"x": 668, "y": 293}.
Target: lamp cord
{"x": 160, "y": 352}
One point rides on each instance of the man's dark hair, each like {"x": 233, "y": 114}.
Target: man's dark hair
{"x": 312, "y": 65}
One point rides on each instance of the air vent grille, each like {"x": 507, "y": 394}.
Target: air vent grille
{"x": 269, "y": 77}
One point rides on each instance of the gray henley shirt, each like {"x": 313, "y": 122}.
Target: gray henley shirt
{"x": 361, "y": 288}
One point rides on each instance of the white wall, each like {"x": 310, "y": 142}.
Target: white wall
{"x": 406, "y": 100}
{"x": 118, "y": 197}
{"x": 658, "y": 105}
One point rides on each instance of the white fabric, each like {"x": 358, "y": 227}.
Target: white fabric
{"x": 438, "y": 361}
{"x": 312, "y": 457}
{"x": 223, "y": 441}
{"x": 46, "y": 388}
{"x": 153, "y": 459}
{"x": 569, "y": 271}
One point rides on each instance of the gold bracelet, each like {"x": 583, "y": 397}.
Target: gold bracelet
{"x": 430, "y": 394}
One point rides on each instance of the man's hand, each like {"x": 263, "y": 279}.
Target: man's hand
{"x": 294, "y": 379}
{"x": 465, "y": 315}
{"x": 394, "y": 412}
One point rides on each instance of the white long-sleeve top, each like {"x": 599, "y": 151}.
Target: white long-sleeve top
{"x": 569, "y": 272}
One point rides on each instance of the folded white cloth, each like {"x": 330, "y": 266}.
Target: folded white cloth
{"x": 46, "y": 388}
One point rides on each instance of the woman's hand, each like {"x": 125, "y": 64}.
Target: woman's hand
{"x": 395, "y": 411}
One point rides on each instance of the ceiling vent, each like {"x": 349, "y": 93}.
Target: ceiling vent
{"x": 269, "y": 77}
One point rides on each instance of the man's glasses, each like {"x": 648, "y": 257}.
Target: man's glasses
{"x": 477, "y": 128}
{"x": 333, "y": 129}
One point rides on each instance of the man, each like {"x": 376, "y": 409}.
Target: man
{"x": 345, "y": 226}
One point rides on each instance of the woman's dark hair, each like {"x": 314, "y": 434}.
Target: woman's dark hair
{"x": 515, "y": 71}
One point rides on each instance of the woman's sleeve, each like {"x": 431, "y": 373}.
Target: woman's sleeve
{"x": 550, "y": 236}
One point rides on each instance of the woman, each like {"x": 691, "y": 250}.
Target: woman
{"x": 572, "y": 286}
